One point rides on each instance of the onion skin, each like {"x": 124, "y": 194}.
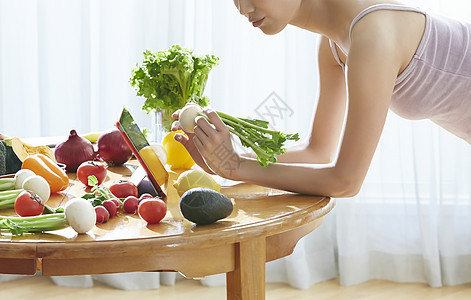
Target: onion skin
{"x": 74, "y": 151}
{"x": 112, "y": 148}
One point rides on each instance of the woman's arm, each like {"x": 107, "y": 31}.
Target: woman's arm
{"x": 373, "y": 64}
{"x": 322, "y": 143}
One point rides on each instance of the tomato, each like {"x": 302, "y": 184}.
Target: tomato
{"x": 152, "y": 210}
{"x": 90, "y": 168}
{"x": 28, "y": 204}
{"x": 123, "y": 189}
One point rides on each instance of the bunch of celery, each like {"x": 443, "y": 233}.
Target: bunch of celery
{"x": 41, "y": 223}
{"x": 255, "y": 134}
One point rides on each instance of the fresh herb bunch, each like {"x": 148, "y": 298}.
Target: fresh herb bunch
{"x": 99, "y": 193}
{"x": 170, "y": 79}
{"x": 255, "y": 134}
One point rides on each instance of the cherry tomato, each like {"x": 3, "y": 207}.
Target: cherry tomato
{"x": 122, "y": 189}
{"x": 28, "y": 204}
{"x": 90, "y": 168}
{"x": 152, "y": 210}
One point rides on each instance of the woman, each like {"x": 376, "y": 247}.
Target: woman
{"x": 373, "y": 55}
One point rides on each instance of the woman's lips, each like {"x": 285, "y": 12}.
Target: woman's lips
{"x": 258, "y": 23}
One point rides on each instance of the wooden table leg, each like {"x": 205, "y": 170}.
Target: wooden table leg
{"x": 247, "y": 281}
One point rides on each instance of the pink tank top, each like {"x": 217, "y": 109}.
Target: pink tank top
{"x": 437, "y": 82}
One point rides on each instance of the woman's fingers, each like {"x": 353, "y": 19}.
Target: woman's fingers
{"x": 215, "y": 119}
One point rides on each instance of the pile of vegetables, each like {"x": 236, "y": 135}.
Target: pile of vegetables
{"x": 13, "y": 151}
{"x": 107, "y": 204}
{"x": 171, "y": 78}
{"x": 253, "y": 133}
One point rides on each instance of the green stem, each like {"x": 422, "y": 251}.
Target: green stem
{"x": 20, "y": 225}
{"x": 7, "y": 184}
{"x": 225, "y": 117}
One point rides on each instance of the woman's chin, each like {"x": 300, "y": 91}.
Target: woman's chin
{"x": 271, "y": 30}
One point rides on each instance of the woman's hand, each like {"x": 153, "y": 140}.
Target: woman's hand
{"x": 213, "y": 141}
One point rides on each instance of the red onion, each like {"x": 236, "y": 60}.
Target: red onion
{"x": 112, "y": 148}
{"x": 74, "y": 151}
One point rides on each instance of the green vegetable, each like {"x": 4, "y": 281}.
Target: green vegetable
{"x": 172, "y": 78}
{"x": 7, "y": 198}
{"x": 7, "y": 184}
{"x": 205, "y": 206}
{"x": 21, "y": 225}
{"x": 9, "y": 161}
{"x": 255, "y": 134}
{"x": 98, "y": 193}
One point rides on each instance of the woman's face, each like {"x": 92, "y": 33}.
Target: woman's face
{"x": 271, "y": 16}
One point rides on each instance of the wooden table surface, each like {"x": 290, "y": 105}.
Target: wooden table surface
{"x": 265, "y": 225}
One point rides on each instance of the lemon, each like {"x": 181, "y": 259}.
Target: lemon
{"x": 195, "y": 178}
{"x": 177, "y": 155}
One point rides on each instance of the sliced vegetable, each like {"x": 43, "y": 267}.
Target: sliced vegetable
{"x": 90, "y": 168}
{"x": 80, "y": 214}
{"x": 43, "y": 166}
{"x": 39, "y": 186}
{"x": 28, "y": 204}
{"x": 74, "y": 151}
{"x": 13, "y": 151}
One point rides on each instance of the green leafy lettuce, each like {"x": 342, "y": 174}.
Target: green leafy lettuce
{"x": 171, "y": 78}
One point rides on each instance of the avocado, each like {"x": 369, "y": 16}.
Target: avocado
{"x": 205, "y": 206}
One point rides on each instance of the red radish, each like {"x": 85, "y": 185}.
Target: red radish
{"x": 130, "y": 204}
{"x": 110, "y": 206}
{"x": 122, "y": 189}
{"x": 102, "y": 214}
{"x": 117, "y": 202}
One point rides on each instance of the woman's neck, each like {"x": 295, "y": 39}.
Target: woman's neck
{"x": 322, "y": 16}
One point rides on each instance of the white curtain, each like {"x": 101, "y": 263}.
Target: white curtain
{"x": 66, "y": 64}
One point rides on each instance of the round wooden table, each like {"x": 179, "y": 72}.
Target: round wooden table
{"x": 265, "y": 225}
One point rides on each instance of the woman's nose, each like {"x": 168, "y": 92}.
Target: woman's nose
{"x": 244, "y": 7}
